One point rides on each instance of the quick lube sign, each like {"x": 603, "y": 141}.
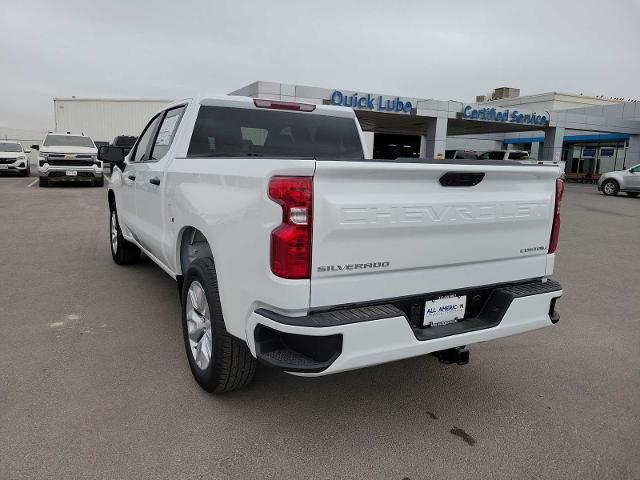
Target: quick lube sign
{"x": 506, "y": 115}
{"x": 377, "y": 103}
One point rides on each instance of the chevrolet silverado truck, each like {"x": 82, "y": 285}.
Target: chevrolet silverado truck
{"x": 66, "y": 157}
{"x": 290, "y": 247}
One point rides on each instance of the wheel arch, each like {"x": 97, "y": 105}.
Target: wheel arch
{"x": 192, "y": 244}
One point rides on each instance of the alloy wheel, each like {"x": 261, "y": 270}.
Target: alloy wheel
{"x": 609, "y": 188}
{"x": 114, "y": 232}
{"x": 199, "y": 325}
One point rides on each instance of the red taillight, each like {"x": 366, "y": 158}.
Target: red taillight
{"x": 555, "y": 229}
{"x": 300, "y": 107}
{"x": 291, "y": 241}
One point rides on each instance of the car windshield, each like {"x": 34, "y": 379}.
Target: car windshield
{"x": 10, "y": 147}
{"x": 247, "y": 132}
{"x": 67, "y": 141}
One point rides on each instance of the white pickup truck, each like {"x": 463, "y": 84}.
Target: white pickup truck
{"x": 290, "y": 247}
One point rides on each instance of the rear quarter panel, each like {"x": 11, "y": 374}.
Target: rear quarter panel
{"x": 227, "y": 200}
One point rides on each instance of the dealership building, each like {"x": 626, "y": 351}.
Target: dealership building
{"x": 591, "y": 134}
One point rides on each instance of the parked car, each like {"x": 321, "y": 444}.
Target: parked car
{"x": 463, "y": 154}
{"x": 289, "y": 247}
{"x": 627, "y": 181}
{"x": 99, "y": 143}
{"x": 504, "y": 155}
{"x": 67, "y": 157}
{"x": 13, "y": 158}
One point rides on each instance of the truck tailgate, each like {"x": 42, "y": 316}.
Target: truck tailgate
{"x": 385, "y": 230}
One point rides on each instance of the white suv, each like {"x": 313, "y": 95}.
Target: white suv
{"x": 13, "y": 158}
{"x": 66, "y": 157}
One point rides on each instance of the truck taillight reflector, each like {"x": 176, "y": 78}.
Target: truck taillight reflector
{"x": 291, "y": 240}
{"x": 555, "y": 229}
{"x": 300, "y": 107}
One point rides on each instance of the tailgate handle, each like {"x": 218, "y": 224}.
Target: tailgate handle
{"x": 461, "y": 179}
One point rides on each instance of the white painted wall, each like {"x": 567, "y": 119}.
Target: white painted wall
{"x": 104, "y": 119}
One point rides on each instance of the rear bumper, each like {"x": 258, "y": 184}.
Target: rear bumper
{"x": 347, "y": 339}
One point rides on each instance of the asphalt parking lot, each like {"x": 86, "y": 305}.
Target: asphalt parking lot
{"x": 94, "y": 381}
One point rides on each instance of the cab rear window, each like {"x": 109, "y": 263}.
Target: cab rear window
{"x": 246, "y": 132}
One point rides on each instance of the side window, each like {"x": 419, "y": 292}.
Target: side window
{"x": 167, "y": 131}
{"x": 517, "y": 155}
{"x": 140, "y": 154}
{"x": 492, "y": 155}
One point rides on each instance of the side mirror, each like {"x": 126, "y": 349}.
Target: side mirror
{"x": 35, "y": 147}
{"x": 115, "y": 155}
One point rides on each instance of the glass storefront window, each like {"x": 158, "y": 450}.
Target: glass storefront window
{"x": 592, "y": 159}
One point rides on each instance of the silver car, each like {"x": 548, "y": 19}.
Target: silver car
{"x": 627, "y": 181}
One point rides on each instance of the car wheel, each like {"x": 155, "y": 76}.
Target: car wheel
{"x": 99, "y": 182}
{"x": 122, "y": 251}
{"x": 43, "y": 182}
{"x": 610, "y": 187}
{"x": 219, "y": 362}
{"x": 26, "y": 172}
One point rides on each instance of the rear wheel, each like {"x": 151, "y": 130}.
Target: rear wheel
{"x": 219, "y": 362}
{"x": 122, "y": 251}
{"x": 43, "y": 182}
{"x": 632, "y": 194}
{"x": 610, "y": 187}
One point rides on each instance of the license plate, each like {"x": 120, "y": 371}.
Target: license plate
{"x": 72, "y": 173}
{"x": 444, "y": 310}
{"x": 4, "y": 167}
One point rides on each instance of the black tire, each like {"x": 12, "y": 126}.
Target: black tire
{"x": 99, "y": 182}
{"x": 632, "y": 194}
{"x": 26, "y": 172}
{"x": 231, "y": 365}
{"x": 614, "y": 187}
{"x": 43, "y": 182}
{"x": 126, "y": 253}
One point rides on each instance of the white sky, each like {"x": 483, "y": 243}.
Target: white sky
{"x": 445, "y": 50}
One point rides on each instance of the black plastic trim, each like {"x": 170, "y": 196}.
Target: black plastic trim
{"x": 294, "y": 352}
{"x": 336, "y": 317}
{"x": 461, "y": 179}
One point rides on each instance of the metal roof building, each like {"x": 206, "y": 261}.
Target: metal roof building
{"x": 104, "y": 118}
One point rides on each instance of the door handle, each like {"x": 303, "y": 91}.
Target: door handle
{"x": 131, "y": 176}
{"x": 154, "y": 181}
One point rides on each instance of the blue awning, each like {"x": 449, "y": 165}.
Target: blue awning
{"x": 596, "y": 137}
